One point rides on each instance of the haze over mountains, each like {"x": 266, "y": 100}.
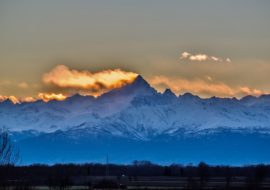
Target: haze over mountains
{"x": 137, "y": 122}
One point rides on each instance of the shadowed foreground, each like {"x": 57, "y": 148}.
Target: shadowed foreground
{"x": 139, "y": 175}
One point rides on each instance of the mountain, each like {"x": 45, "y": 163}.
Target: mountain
{"x": 139, "y": 87}
{"x": 137, "y": 122}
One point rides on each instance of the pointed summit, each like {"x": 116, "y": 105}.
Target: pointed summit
{"x": 169, "y": 93}
{"x": 139, "y": 77}
{"x": 139, "y": 87}
{"x": 140, "y": 81}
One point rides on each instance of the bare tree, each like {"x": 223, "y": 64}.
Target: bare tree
{"x": 8, "y": 153}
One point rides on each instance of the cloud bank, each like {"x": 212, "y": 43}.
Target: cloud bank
{"x": 62, "y": 82}
{"x": 205, "y": 88}
{"x": 206, "y": 80}
{"x": 94, "y": 83}
{"x": 202, "y": 57}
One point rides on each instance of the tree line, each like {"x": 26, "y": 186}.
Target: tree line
{"x": 41, "y": 174}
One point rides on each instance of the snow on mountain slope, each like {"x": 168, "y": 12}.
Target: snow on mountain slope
{"x": 138, "y": 111}
{"x": 151, "y": 115}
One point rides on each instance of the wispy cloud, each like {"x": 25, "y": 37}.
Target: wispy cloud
{"x": 206, "y": 88}
{"x": 23, "y": 85}
{"x": 7, "y": 83}
{"x": 249, "y": 91}
{"x": 202, "y": 57}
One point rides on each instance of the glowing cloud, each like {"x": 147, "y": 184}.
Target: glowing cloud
{"x": 63, "y": 77}
{"x": 13, "y": 99}
{"x": 202, "y": 57}
{"x": 3, "y": 98}
{"x": 51, "y": 96}
{"x": 249, "y": 91}
{"x": 41, "y": 96}
{"x": 198, "y": 57}
{"x": 28, "y": 99}
{"x": 204, "y": 87}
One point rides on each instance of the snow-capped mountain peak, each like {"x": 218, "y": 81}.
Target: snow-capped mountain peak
{"x": 139, "y": 87}
{"x": 138, "y": 110}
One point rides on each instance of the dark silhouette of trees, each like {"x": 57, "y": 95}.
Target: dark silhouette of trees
{"x": 228, "y": 175}
{"x": 203, "y": 172}
{"x": 255, "y": 178}
{"x": 202, "y": 176}
{"x": 260, "y": 174}
{"x": 167, "y": 171}
{"x": 8, "y": 153}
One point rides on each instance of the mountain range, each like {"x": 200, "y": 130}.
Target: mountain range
{"x": 135, "y": 122}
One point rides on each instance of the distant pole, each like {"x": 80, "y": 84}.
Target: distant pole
{"x": 107, "y": 165}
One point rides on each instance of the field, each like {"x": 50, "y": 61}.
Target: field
{"x": 139, "y": 175}
{"x": 153, "y": 182}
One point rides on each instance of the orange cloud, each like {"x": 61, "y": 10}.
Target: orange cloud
{"x": 41, "y": 96}
{"x": 63, "y": 77}
{"x": 3, "y": 98}
{"x": 28, "y": 99}
{"x": 51, "y": 96}
{"x": 14, "y": 99}
{"x": 202, "y": 87}
{"x": 249, "y": 91}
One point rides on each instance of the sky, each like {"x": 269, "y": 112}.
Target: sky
{"x": 55, "y": 48}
